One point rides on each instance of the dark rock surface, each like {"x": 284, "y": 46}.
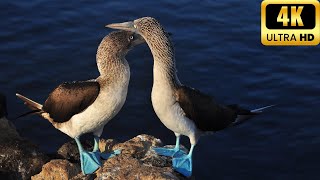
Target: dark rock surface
{"x": 19, "y": 158}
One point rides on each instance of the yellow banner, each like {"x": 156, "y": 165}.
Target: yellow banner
{"x": 290, "y": 23}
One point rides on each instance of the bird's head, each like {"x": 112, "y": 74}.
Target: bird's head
{"x": 114, "y": 47}
{"x": 148, "y": 27}
{"x": 120, "y": 42}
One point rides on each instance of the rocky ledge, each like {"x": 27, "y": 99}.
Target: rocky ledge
{"x": 20, "y": 159}
{"x": 136, "y": 161}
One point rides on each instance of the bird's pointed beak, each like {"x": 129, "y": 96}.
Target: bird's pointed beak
{"x": 127, "y": 26}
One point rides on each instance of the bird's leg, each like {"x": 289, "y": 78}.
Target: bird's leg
{"x": 103, "y": 155}
{"x": 176, "y": 151}
{"x": 90, "y": 162}
{"x": 183, "y": 164}
{"x": 96, "y": 144}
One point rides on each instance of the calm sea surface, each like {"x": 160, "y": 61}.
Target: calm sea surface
{"x": 218, "y": 50}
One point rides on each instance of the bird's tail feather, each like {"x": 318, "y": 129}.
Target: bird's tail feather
{"x": 36, "y": 107}
{"x": 244, "y": 117}
{"x": 31, "y": 104}
{"x": 28, "y": 113}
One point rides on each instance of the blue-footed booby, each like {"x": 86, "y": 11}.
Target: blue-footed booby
{"x": 83, "y": 107}
{"x": 183, "y": 110}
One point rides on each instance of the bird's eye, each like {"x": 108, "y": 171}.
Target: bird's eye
{"x": 131, "y": 37}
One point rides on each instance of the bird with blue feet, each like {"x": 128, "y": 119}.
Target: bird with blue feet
{"x": 83, "y": 107}
{"x": 184, "y": 110}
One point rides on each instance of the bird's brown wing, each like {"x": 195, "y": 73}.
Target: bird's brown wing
{"x": 203, "y": 110}
{"x": 69, "y": 99}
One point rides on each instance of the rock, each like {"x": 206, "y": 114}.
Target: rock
{"x": 58, "y": 169}
{"x": 107, "y": 145}
{"x": 136, "y": 161}
{"x": 8, "y": 131}
{"x": 138, "y": 146}
{"x": 19, "y": 158}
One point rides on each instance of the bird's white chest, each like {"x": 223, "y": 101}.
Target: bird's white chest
{"x": 108, "y": 103}
{"x": 169, "y": 111}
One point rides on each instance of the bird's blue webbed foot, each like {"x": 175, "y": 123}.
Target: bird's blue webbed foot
{"x": 110, "y": 155}
{"x": 90, "y": 162}
{"x": 183, "y": 165}
{"x": 171, "y": 152}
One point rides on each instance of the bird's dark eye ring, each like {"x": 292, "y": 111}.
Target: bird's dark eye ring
{"x": 131, "y": 37}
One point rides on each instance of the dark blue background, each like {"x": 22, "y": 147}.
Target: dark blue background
{"x": 218, "y": 50}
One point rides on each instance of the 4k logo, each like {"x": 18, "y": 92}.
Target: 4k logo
{"x": 295, "y": 15}
{"x": 290, "y": 22}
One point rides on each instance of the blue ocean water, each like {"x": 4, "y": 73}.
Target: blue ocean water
{"x": 218, "y": 50}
